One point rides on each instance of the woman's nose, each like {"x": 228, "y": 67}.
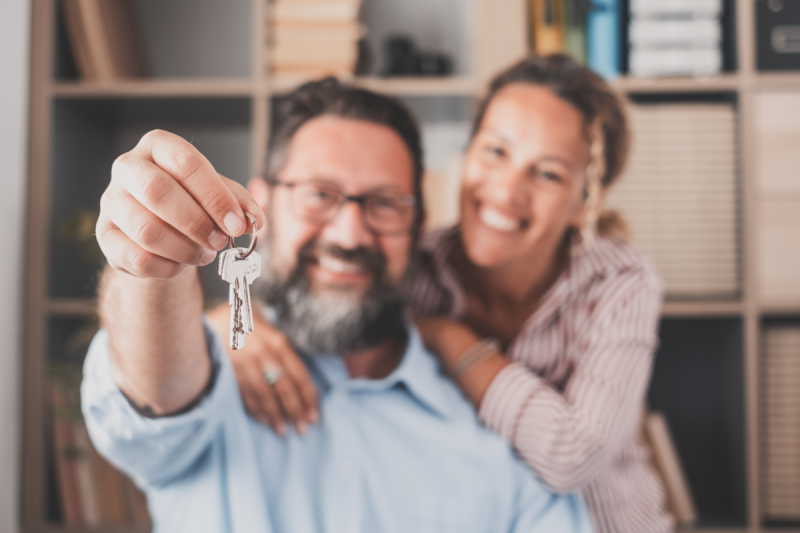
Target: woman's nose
{"x": 509, "y": 186}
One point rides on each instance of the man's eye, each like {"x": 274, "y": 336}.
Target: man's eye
{"x": 385, "y": 202}
{"x": 320, "y": 195}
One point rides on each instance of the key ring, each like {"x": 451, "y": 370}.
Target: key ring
{"x": 253, "y": 238}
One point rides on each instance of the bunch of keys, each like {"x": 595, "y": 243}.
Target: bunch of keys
{"x": 240, "y": 267}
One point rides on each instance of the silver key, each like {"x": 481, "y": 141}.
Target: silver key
{"x": 240, "y": 273}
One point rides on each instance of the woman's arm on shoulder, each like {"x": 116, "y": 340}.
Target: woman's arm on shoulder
{"x": 570, "y": 438}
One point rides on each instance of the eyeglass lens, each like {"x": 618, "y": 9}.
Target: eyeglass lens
{"x": 383, "y": 212}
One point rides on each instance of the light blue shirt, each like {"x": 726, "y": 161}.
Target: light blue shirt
{"x": 401, "y": 454}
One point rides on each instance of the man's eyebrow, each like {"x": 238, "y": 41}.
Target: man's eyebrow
{"x": 329, "y": 182}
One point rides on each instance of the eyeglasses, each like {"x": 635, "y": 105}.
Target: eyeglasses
{"x": 386, "y": 213}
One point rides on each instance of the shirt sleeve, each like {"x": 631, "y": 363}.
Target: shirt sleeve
{"x": 568, "y": 438}
{"x": 153, "y": 451}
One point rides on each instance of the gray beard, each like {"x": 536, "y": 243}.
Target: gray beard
{"x": 339, "y": 320}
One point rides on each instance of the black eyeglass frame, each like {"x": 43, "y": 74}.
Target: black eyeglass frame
{"x": 361, "y": 199}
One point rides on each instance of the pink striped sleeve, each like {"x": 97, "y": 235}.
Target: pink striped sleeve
{"x": 571, "y": 437}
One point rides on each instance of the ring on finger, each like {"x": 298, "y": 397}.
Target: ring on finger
{"x": 272, "y": 374}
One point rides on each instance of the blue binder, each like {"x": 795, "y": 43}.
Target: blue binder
{"x": 603, "y": 38}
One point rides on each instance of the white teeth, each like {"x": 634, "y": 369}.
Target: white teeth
{"x": 337, "y": 265}
{"x": 497, "y": 220}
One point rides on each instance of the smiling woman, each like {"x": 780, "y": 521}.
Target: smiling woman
{"x": 536, "y": 264}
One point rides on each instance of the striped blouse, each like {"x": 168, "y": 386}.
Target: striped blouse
{"x": 570, "y": 401}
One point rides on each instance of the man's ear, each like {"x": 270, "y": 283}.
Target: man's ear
{"x": 260, "y": 190}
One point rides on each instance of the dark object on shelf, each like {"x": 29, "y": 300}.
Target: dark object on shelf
{"x": 778, "y": 35}
{"x": 403, "y": 59}
{"x": 364, "y": 61}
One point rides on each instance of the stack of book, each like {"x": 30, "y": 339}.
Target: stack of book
{"x": 675, "y": 37}
{"x": 680, "y": 196}
{"x": 314, "y": 38}
{"x": 781, "y": 410}
{"x": 90, "y": 491}
{"x": 104, "y": 38}
{"x": 443, "y": 144}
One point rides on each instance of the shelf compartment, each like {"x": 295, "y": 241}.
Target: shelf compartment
{"x": 698, "y": 385}
{"x": 779, "y": 366}
{"x": 92, "y": 133}
{"x": 83, "y": 489}
{"x": 182, "y": 39}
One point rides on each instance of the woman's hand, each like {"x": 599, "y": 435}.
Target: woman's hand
{"x": 292, "y": 397}
{"x": 446, "y": 338}
{"x": 449, "y": 340}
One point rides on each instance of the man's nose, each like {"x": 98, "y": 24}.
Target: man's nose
{"x": 347, "y": 229}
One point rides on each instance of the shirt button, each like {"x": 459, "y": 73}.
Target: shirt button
{"x": 346, "y": 469}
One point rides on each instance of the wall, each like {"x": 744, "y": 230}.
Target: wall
{"x": 14, "y": 61}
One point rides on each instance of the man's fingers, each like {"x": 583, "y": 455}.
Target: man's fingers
{"x": 247, "y": 202}
{"x": 151, "y": 233}
{"x": 197, "y": 176}
{"x": 126, "y": 255}
{"x": 160, "y": 193}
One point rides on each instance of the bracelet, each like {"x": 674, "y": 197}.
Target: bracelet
{"x": 476, "y": 354}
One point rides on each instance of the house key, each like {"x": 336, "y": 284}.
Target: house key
{"x": 240, "y": 267}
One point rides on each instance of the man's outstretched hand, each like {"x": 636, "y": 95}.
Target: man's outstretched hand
{"x": 166, "y": 208}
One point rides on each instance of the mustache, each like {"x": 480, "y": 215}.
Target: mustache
{"x": 368, "y": 258}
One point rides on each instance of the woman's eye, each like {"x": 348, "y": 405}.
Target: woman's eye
{"x": 495, "y": 151}
{"x": 550, "y": 176}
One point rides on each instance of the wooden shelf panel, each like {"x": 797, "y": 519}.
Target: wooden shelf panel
{"x": 49, "y": 527}
{"x": 777, "y": 80}
{"x": 676, "y": 309}
{"x": 723, "y": 82}
{"x": 444, "y": 86}
{"x": 72, "y": 307}
{"x": 779, "y": 309}
{"x": 156, "y": 88}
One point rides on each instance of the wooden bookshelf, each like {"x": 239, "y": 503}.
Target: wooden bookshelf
{"x": 237, "y": 106}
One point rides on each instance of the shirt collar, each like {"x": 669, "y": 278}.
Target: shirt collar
{"x": 419, "y": 373}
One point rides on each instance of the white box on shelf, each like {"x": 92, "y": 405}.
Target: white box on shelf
{"x": 688, "y": 33}
{"x": 660, "y": 8}
{"x": 675, "y": 62}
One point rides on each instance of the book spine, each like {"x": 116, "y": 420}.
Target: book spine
{"x": 64, "y": 457}
{"x": 575, "y": 29}
{"x": 86, "y": 482}
{"x": 76, "y": 31}
{"x": 97, "y": 39}
{"x": 603, "y": 36}
{"x": 546, "y": 24}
